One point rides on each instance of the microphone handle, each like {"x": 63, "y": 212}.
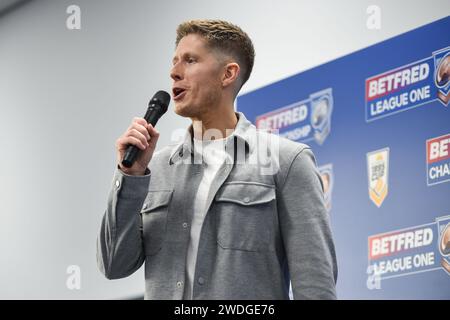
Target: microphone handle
{"x": 152, "y": 117}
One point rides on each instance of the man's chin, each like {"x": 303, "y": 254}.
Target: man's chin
{"x": 183, "y": 111}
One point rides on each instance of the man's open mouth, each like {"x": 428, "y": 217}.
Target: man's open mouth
{"x": 178, "y": 93}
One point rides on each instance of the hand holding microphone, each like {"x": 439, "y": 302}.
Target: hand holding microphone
{"x": 136, "y": 146}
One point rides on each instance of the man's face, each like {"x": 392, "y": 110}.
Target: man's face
{"x": 196, "y": 72}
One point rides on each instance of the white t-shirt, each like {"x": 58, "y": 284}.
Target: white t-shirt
{"x": 214, "y": 155}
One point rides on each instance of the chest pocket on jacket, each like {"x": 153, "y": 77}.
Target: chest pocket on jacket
{"x": 245, "y": 216}
{"x": 154, "y": 219}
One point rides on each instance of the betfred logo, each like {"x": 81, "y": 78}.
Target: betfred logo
{"x": 385, "y": 84}
{"x": 282, "y": 118}
{"x": 438, "y": 149}
{"x": 438, "y": 159}
{"x": 396, "y": 243}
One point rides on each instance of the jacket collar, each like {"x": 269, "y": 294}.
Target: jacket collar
{"x": 239, "y": 135}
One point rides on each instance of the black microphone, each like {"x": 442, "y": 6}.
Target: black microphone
{"x": 156, "y": 108}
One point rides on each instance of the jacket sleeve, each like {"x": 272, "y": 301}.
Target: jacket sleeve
{"x": 120, "y": 243}
{"x": 306, "y": 232}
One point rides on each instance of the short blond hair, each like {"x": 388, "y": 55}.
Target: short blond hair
{"x": 226, "y": 38}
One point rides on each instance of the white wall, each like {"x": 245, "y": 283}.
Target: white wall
{"x": 65, "y": 95}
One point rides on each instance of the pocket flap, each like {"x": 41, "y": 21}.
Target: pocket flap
{"x": 245, "y": 193}
{"x": 156, "y": 199}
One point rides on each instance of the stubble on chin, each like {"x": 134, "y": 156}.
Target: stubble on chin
{"x": 186, "y": 111}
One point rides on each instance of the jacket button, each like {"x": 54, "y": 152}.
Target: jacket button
{"x": 179, "y": 284}
{"x": 246, "y": 199}
{"x": 185, "y": 225}
{"x": 117, "y": 183}
{"x": 201, "y": 280}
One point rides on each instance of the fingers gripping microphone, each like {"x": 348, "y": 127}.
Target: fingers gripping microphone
{"x": 156, "y": 108}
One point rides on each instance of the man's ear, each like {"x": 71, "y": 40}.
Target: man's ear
{"x": 231, "y": 74}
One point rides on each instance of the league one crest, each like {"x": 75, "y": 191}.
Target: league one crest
{"x": 442, "y": 74}
{"x": 378, "y": 171}
{"x": 443, "y": 224}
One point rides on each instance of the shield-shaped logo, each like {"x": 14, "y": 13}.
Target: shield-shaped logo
{"x": 321, "y": 108}
{"x": 443, "y": 225}
{"x": 377, "y": 172}
{"x": 326, "y": 174}
{"x": 442, "y": 74}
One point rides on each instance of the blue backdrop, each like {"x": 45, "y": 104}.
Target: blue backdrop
{"x": 368, "y": 117}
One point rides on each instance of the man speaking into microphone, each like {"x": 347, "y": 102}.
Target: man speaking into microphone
{"x": 207, "y": 221}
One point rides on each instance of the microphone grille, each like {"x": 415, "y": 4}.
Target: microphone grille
{"x": 162, "y": 98}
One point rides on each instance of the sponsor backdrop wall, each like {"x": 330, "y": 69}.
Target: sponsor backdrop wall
{"x": 378, "y": 122}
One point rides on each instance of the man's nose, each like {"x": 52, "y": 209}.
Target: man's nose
{"x": 176, "y": 73}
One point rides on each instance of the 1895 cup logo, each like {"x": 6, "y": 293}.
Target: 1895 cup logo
{"x": 302, "y": 121}
{"x": 438, "y": 159}
{"x": 377, "y": 172}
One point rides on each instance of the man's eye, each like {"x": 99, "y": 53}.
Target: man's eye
{"x": 190, "y": 60}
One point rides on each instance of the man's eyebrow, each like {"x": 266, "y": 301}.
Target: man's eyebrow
{"x": 175, "y": 59}
{"x": 186, "y": 54}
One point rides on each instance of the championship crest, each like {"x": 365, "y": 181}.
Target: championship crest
{"x": 321, "y": 108}
{"x": 326, "y": 174}
{"x": 377, "y": 171}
